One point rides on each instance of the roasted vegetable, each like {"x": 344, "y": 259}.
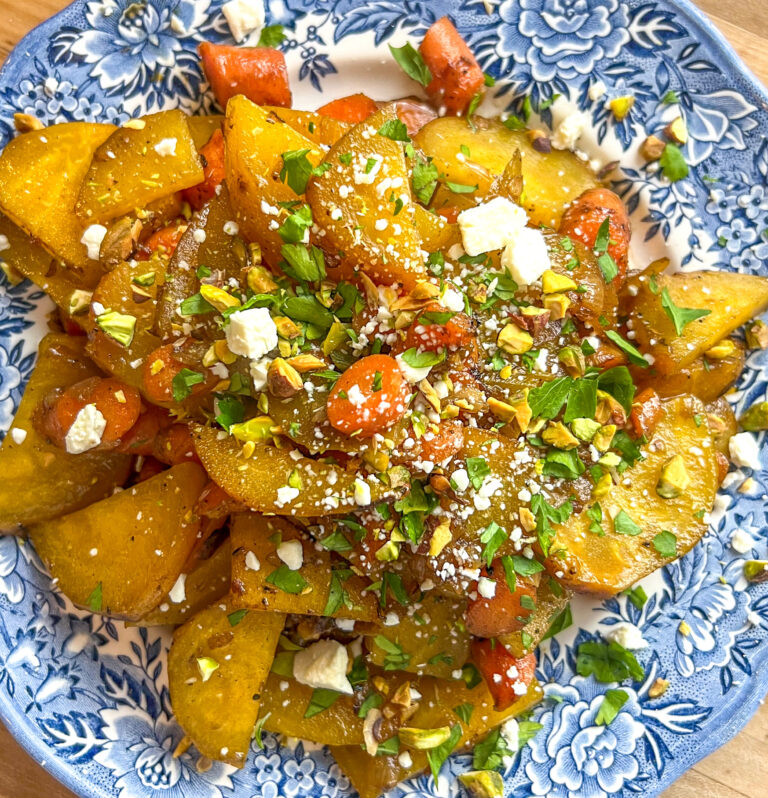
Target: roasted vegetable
{"x": 105, "y": 556}
{"x": 40, "y": 480}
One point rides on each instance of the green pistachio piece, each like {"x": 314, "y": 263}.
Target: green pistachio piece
{"x": 756, "y": 570}
{"x": 207, "y": 666}
{"x": 585, "y": 428}
{"x": 423, "y": 739}
{"x": 755, "y": 418}
{"x": 674, "y": 478}
{"x": 483, "y": 783}
{"x": 119, "y": 326}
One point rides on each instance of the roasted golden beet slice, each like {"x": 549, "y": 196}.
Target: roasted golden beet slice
{"x": 153, "y": 158}
{"x": 122, "y": 555}
{"x": 368, "y": 228}
{"x": 323, "y": 585}
{"x": 319, "y": 129}
{"x": 728, "y": 299}
{"x": 634, "y": 514}
{"x": 40, "y": 176}
{"x": 217, "y": 670}
{"x": 41, "y": 481}
{"x": 551, "y": 600}
{"x": 256, "y": 481}
{"x": 201, "y": 128}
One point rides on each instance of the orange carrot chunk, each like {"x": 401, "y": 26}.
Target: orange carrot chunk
{"x": 370, "y": 396}
{"x": 507, "y": 678}
{"x": 456, "y": 75}
{"x": 436, "y": 328}
{"x": 165, "y": 239}
{"x": 646, "y": 413}
{"x": 354, "y": 108}
{"x": 503, "y": 612}
{"x": 588, "y": 212}
{"x": 140, "y": 438}
{"x": 414, "y": 114}
{"x": 212, "y": 156}
{"x": 160, "y": 369}
{"x": 257, "y": 72}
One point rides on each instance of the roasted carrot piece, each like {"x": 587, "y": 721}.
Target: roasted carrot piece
{"x": 436, "y": 328}
{"x": 503, "y": 612}
{"x": 587, "y": 213}
{"x": 414, "y": 114}
{"x": 140, "y": 438}
{"x": 354, "y": 108}
{"x": 370, "y": 396}
{"x": 450, "y": 214}
{"x": 149, "y": 468}
{"x": 120, "y": 404}
{"x": 646, "y": 413}
{"x": 507, "y": 678}
{"x": 257, "y": 72}
{"x": 212, "y": 156}
{"x": 175, "y": 445}
{"x": 437, "y": 446}
{"x": 166, "y": 238}
{"x": 160, "y": 368}
{"x": 456, "y": 75}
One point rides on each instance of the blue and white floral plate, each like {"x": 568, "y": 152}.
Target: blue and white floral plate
{"x": 89, "y": 698}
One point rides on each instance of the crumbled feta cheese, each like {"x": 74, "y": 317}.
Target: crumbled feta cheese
{"x": 286, "y": 495}
{"x": 452, "y": 300}
{"x": 252, "y": 562}
{"x": 596, "y": 90}
{"x": 391, "y": 619}
{"x": 526, "y": 256}
{"x": 86, "y": 430}
{"x": 92, "y": 238}
{"x": 491, "y": 225}
{"x": 355, "y": 396}
{"x": 165, "y": 147}
{"x": 626, "y": 635}
{"x": 323, "y": 665}
{"x": 251, "y": 333}
{"x": 291, "y": 553}
{"x": 570, "y": 130}
{"x": 4, "y": 243}
{"x": 259, "y": 370}
{"x": 510, "y": 731}
{"x": 18, "y": 435}
{"x": 244, "y": 17}
{"x": 345, "y": 624}
{"x": 486, "y": 587}
{"x": 231, "y": 228}
{"x": 199, "y": 235}
{"x": 741, "y": 541}
{"x": 411, "y": 374}
{"x": 744, "y": 451}
{"x": 460, "y": 479}
{"x": 362, "y": 493}
{"x": 404, "y": 759}
{"x": 363, "y": 177}
{"x": 178, "y": 592}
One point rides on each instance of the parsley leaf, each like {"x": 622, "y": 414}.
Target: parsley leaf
{"x": 665, "y": 543}
{"x": 546, "y": 400}
{"x": 680, "y": 316}
{"x": 182, "y": 383}
{"x": 294, "y": 229}
{"x": 271, "y": 36}
{"x": 672, "y": 162}
{"x": 297, "y": 169}
{"x": 422, "y": 360}
{"x": 618, "y": 383}
{"x": 609, "y": 662}
{"x": 424, "y": 180}
{"x": 410, "y": 61}
{"x": 546, "y": 515}
{"x": 561, "y": 621}
{"x": 563, "y": 464}
{"x": 303, "y": 263}
{"x": 231, "y": 411}
{"x": 95, "y": 599}
{"x": 437, "y": 756}
{"x": 509, "y": 572}
{"x": 526, "y": 567}
{"x": 396, "y": 659}
{"x": 477, "y": 469}
{"x": 195, "y": 305}
{"x": 493, "y": 536}
{"x": 595, "y": 515}
{"x": 582, "y": 400}
{"x": 372, "y": 701}
{"x": 632, "y": 353}
{"x": 460, "y": 188}
{"x": 464, "y": 711}
{"x": 307, "y": 308}
{"x": 624, "y": 525}
{"x": 235, "y": 617}
{"x": 337, "y": 596}
{"x": 612, "y": 702}
{"x": 637, "y": 596}
{"x": 287, "y": 580}
{"x": 394, "y": 129}
{"x": 320, "y": 700}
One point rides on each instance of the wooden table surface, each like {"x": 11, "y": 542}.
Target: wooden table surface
{"x": 739, "y": 768}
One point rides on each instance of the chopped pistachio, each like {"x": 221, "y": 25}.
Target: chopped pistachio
{"x": 26, "y": 123}
{"x": 527, "y": 519}
{"x": 721, "y": 350}
{"x": 379, "y": 461}
{"x": 207, "y": 666}
{"x": 140, "y": 295}
{"x": 621, "y": 106}
{"x": 259, "y": 280}
{"x": 658, "y": 688}
{"x": 717, "y": 424}
{"x": 119, "y": 326}
{"x": 286, "y": 328}
{"x": 218, "y": 297}
{"x": 255, "y": 429}
{"x": 554, "y": 283}
{"x": 674, "y": 478}
{"x": 285, "y": 348}
{"x": 531, "y": 318}
{"x": 748, "y": 485}
{"x": 483, "y": 783}
{"x": 609, "y": 460}
{"x": 677, "y": 131}
{"x": 756, "y": 570}
{"x": 506, "y": 372}
{"x": 430, "y": 394}
{"x": 79, "y": 301}
{"x": 223, "y": 352}
{"x": 557, "y": 305}
{"x": 294, "y": 480}
{"x": 756, "y": 417}
{"x": 146, "y": 279}
{"x": 404, "y": 319}
{"x": 609, "y": 410}
{"x": 389, "y": 552}
{"x": 513, "y": 340}
{"x": 652, "y": 148}
{"x": 573, "y": 361}
{"x": 307, "y": 362}
{"x": 559, "y": 436}
{"x": 337, "y": 337}
{"x": 501, "y": 410}
{"x": 584, "y": 428}
{"x": 604, "y": 437}
{"x": 210, "y": 357}
{"x": 282, "y": 379}
{"x": 603, "y": 486}
{"x": 423, "y": 739}
{"x": 441, "y": 537}
{"x": 757, "y": 335}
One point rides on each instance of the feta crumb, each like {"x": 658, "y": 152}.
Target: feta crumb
{"x": 412, "y": 375}
{"x": 231, "y": 228}
{"x": 259, "y": 370}
{"x": 86, "y": 430}
{"x": 178, "y": 592}
{"x": 244, "y": 17}
{"x": 252, "y": 562}
{"x": 165, "y": 147}
{"x": 18, "y": 435}
{"x": 460, "y": 478}
{"x": 741, "y": 541}
{"x": 323, "y": 665}
{"x": 345, "y": 624}
{"x": 405, "y": 760}
{"x": 291, "y": 553}
{"x": 491, "y": 225}
{"x": 526, "y": 256}
{"x": 199, "y": 235}
{"x": 362, "y": 493}
{"x": 4, "y": 243}
{"x": 744, "y": 451}
{"x": 251, "y": 333}
{"x": 355, "y": 396}
{"x": 92, "y": 238}
{"x": 366, "y": 178}
{"x": 570, "y": 130}
{"x": 286, "y": 495}
{"x": 452, "y": 300}
{"x": 486, "y": 587}
{"x": 510, "y": 731}
{"x": 626, "y": 635}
